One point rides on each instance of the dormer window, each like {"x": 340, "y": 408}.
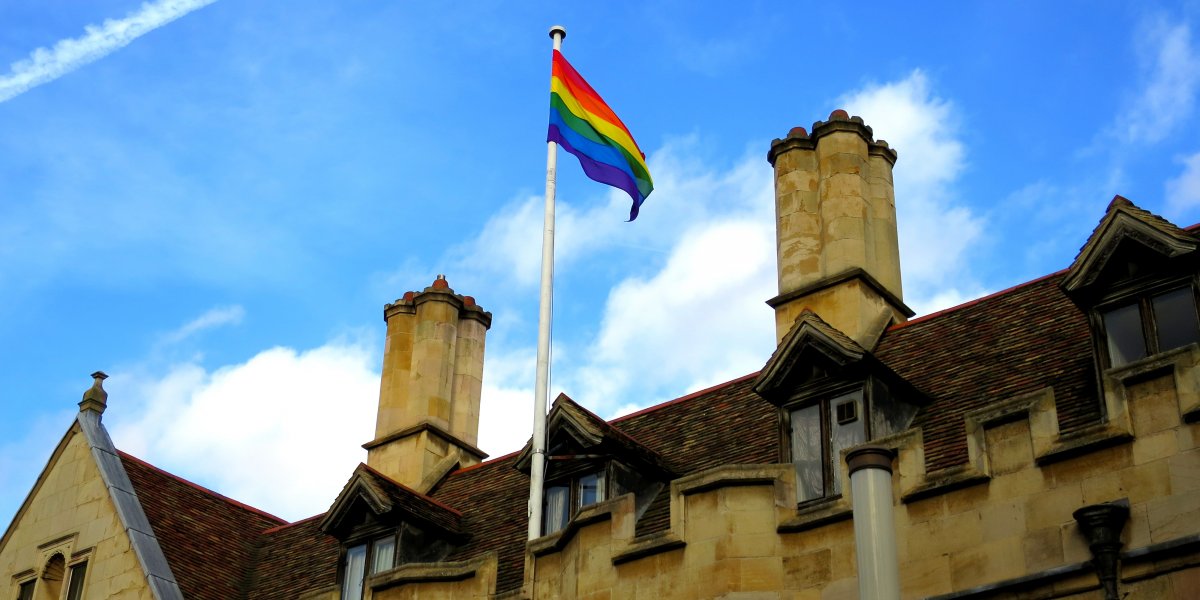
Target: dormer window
{"x": 823, "y": 424}
{"x": 1150, "y": 324}
{"x": 366, "y": 559}
{"x": 563, "y": 499}
{"x": 820, "y": 431}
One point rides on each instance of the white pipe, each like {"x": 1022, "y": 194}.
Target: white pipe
{"x": 874, "y": 523}
{"x": 537, "y": 470}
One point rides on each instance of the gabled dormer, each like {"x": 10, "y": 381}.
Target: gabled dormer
{"x": 589, "y": 461}
{"x": 832, "y": 394}
{"x": 1136, "y": 279}
{"x": 381, "y": 524}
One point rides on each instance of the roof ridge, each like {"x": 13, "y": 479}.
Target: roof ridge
{"x": 227, "y": 499}
{"x": 486, "y": 463}
{"x": 427, "y": 497}
{"x": 680, "y": 399}
{"x": 970, "y": 303}
{"x": 278, "y": 528}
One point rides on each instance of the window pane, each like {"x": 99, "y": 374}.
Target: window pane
{"x": 75, "y": 589}
{"x": 888, "y": 415}
{"x": 556, "y": 508}
{"x": 356, "y": 562}
{"x": 806, "y": 453}
{"x": 845, "y": 435}
{"x": 26, "y": 591}
{"x": 591, "y": 488}
{"x": 1123, "y": 328}
{"x": 383, "y": 550}
{"x": 1175, "y": 319}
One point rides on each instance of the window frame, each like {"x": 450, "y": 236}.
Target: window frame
{"x": 29, "y": 585}
{"x": 367, "y": 538}
{"x": 73, "y": 570}
{"x": 825, "y": 397}
{"x": 1140, "y": 294}
{"x": 572, "y": 480}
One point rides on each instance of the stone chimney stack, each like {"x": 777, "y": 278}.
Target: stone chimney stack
{"x": 429, "y": 394}
{"x": 835, "y": 213}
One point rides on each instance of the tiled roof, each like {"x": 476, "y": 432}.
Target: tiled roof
{"x": 293, "y": 559}
{"x": 411, "y": 502}
{"x": 208, "y": 539}
{"x": 495, "y": 495}
{"x": 1013, "y": 342}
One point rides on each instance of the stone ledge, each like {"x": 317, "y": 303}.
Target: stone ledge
{"x": 429, "y": 572}
{"x": 649, "y": 545}
{"x": 432, "y": 428}
{"x": 820, "y": 514}
{"x": 1171, "y": 555}
{"x": 725, "y": 476}
{"x": 595, "y": 513}
{"x": 1009, "y": 586}
{"x": 837, "y": 278}
{"x": 945, "y": 481}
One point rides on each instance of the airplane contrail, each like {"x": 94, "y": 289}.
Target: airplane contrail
{"x": 47, "y": 64}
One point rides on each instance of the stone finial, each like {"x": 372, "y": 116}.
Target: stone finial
{"x": 95, "y": 398}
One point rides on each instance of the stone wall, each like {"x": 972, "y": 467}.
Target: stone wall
{"x": 1000, "y": 527}
{"x": 72, "y": 513}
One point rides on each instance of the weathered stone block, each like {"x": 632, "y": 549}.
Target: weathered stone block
{"x": 1043, "y": 548}
{"x": 807, "y": 570}
{"x": 1053, "y": 507}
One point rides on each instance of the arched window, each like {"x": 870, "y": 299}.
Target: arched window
{"x": 50, "y": 586}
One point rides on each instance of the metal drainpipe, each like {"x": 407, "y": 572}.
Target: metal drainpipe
{"x": 874, "y": 523}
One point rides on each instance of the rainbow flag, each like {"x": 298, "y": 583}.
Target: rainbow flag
{"x": 585, "y": 126}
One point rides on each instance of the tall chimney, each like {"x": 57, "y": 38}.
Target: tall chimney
{"x": 429, "y": 393}
{"x": 835, "y": 210}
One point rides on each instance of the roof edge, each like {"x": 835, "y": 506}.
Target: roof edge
{"x": 242, "y": 505}
{"x": 157, "y": 571}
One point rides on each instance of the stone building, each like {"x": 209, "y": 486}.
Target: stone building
{"x": 1040, "y": 442}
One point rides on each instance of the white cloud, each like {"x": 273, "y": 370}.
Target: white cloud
{"x": 44, "y": 65}
{"x": 1183, "y": 192}
{"x": 281, "y": 432}
{"x": 506, "y": 411}
{"x": 587, "y": 226}
{"x": 700, "y": 321}
{"x": 215, "y": 317}
{"x": 936, "y": 230}
{"x": 1171, "y": 74}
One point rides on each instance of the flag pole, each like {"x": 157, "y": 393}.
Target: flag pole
{"x": 537, "y": 472}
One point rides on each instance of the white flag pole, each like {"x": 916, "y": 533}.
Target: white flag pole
{"x": 537, "y": 473}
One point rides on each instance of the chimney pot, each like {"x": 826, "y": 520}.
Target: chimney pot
{"x": 799, "y": 132}
{"x": 839, "y": 115}
{"x": 440, "y": 283}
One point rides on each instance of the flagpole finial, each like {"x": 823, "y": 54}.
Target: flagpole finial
{"x": 558, "y": 30}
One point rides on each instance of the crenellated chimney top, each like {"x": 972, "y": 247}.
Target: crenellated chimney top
{"x": 838, "y": 252}
{"x": 430, "y": 390}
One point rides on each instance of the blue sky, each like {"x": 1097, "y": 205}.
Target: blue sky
{"x": 212, "y": 200}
